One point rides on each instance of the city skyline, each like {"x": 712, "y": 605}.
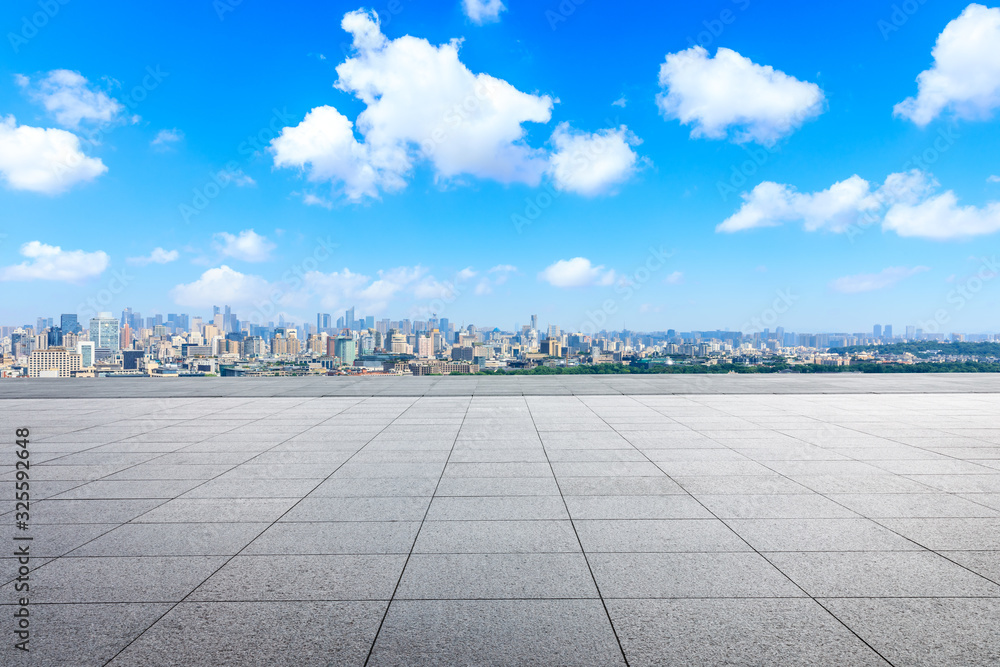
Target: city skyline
{"x": 538, "y": 174}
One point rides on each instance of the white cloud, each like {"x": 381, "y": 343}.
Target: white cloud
{"x": 248, "y": 245}
{"x": 591, "y": 164}
{"x": 422, "y": 103}
{"x": 46, "y": 262}
{"x": 467, "y": 273}
{"x": 729, "y": 95}
{"x": 222, "y": 285}
{"x": 166, "y": 137}
{"x": 237, "y": 178}
{"x": 993, "y": 179}
{"x": 483, "y": 11}
{"x": 158, "y": 256}
{"x": 965, "y": 76}
{"x": 941, "y": 218}
{"x": 504, "y": 268}
{"x": 44, "y": 160}
{"x": 620, "y": 102}
{"x": 335, "y": 289}
{"x": 870, "y": 282}
{"x": 309, "y": 199}
{"x": 675, "y": 278}
{"x": 834, "y": 209}
{"x": 390, "y": 282}
{"x": 68, "y": 96}
{"x": 576, "y": 272}
{"x": 906, "y": 204}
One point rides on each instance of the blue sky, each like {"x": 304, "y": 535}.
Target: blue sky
{"x": 604, "y": 170}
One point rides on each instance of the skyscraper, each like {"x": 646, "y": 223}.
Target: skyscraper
{"x": 878, "y": 331}
{"x": 104, "y": 332}
{"x": 345, "y": 350}
{"x": 68, "y": 323}
{"x": 887, "y": 332}
{"x": 534, "y": 322}
{"x": 349, "y": 318}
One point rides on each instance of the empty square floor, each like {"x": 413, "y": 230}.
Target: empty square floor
{"x": 645, "y": 529}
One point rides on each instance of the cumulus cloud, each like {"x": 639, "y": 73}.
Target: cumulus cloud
{"x": 422, "y": 103}
{"x": 164, "y": 138}
{"x": 467, "y": 273}
{"x": 222, "y": 284}
{"x": 158, "y": 256}
{"x": 483, "y": 11}
{"x": 576, "y": 272}
{"x": 591, "y": 164}
{"x": 337, "y": 288}
{"x": 248, "y": 245}
{"x": 496, "y": 276}
{"x": 731, "y": 96}
{"x": 870, "y": 282}
{"x": 907, "y": 204}
{"x": 993, "y": 179}
{"x": 941, "y": 218}
{"x": 675, "y": 278}
{"x": 44, "y": 160}
{"x": 965, "y": 76}
{"x": 47, "y": 262}
{"x": 70, "y": 98}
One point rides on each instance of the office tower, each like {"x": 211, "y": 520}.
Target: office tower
{"x": 104, "y": 332}
{"x": 215, "y": 311}
{"x": 887, "y": 332}
{"x": 340, "y": 323}
{"x": 369, "y": 322}
{"x": 69, "y": 324}
{"x": 55, "y": 336}
{"x": 349, "y": 318}
{"x": 345, "y": 349}
{"x": 534, "y": 322}
{"x": 126, "y": 337}
{"x": 911, "y": 332}
{"x": 443, "y": 325}
{"x": 85, "y": 348}
{"x": 878, "y": 331}
{"x": 554, "y": 331}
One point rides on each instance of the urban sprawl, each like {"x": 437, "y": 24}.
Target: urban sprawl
{"x": 178, "y": 345}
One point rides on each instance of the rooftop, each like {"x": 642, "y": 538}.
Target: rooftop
{"x": 571, "y": 520}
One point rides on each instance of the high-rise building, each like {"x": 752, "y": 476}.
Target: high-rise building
{"x": 55, "y": 337}
{"x": 58, "y": 362}
{"x": 369, "y": 322}
{"x": 534, "y": 322}
{"x": 85, "y": 348}
{"x": 69, "y": 324}
{"x": 104, "y": 332}
{"x": 345, "y": 349}
{"x": 878, "y": 332}
{"x": 911, "y": 332}
{"x": 349, "y": 318}
{"x": 887, "y": 332}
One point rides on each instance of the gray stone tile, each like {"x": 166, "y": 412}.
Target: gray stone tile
{"x": 658, "y": 536}
{"x": 494, "y": 508}
{"x": 636, "y": 507}
{"x": 984, "y": 563}
{"x": 357, "y": 537}
{"x": 774, "y": 506}
{"x": 218, "y": 510}
{"x": 504, "y": 632}
{"x": 496, "y": 576}
{"x": 91, "y": 511}
{"x": 328, "y": 577}
{"x": 392, "y": 508}
{"x": 375, "y": 487}
{"x": 689, "y": 575}
{"x": 881, "y": 574}
{"x": 949, "y": 534}
{"x": 496, "y": 537}
{"x": 498, "y": 486}
{"x": 932, "y": 632}
{"x": 173, "y": 539}
{"x": 246, "y": 488}
{"x": 121, "y": 489}
{"x": 819, "y": 535}
{"x": 55, "y": 540}
{"x": 82, "y": 635}
{"x": 912, "y": 505}
{"x": 740, "y": 485}
{"x": 264, "y": 634}
{"x": 619, "y": 486}
{"x": 793, "y": 632}
{"x": 114, "y": 579}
